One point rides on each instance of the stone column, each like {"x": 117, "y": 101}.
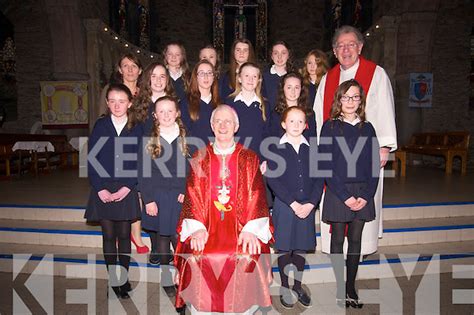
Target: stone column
{"x": 92, "y": 27}
{"x": 68, "y": 49}
{"x": 414, "y": 45}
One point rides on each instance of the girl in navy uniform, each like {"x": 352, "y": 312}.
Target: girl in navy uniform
{"x": 156, "y": 83}
{"x": 241, "y": 52}
{"x": 162, "y": 183}
{"x": 296, "y": 197}
{"x": 203, "y": 97}
{"x": 209, "y": 53}
{"x": 114, "y": 199}
{"x": 175, "y": 60}
{"x": 315, "y": 67}
{"x": 292, "y": 92}
{"x": 348, "y": 201}
{"x": 250, "y": 106}
{"x": 281, "y": 64}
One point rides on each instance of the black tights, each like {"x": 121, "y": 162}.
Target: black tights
{"x": 354, "y": 236}
{"x": 160, "y": 244}
{"x": 116, "y": 233}
{"x": 297, "y": 259}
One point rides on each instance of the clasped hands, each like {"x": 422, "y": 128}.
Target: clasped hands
{"x": 355, "y": 204}
{"x": 106, "y": 196}
{"x": 151, "y": 208}
{"x": 250, "y": 243}
{"x": 301, "y": 210}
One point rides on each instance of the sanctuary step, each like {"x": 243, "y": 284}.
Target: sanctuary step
{"x": 396, "y": 232}
{"x": 389, "y": 262}
{"x": 391, "y": 212}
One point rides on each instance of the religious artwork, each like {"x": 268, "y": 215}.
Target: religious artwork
{"x": 64, "y": 104}
{"x": 421, "y": 90}
{"x": 240, "y": 19}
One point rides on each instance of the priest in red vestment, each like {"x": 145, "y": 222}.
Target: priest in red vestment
{"x": 222, "y": 257}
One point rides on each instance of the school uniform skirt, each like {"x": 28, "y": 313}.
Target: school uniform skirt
{"x": 126, "y": 210}
{"x": 169, "y": 209}
{"x": 292, "y": 232}
{"x": 335, "y": 210}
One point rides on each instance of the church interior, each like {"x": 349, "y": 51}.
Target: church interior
{"x": 425, "y": 262}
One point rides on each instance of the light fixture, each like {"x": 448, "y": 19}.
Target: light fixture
{"x": 115, "y": 37}
{"x": 105, "y": 29}
{"x": 138, "y": 51}
{"x": 126, "y": 45}
{"x": 377, "y": 26}
{"x": 367, "y": 34}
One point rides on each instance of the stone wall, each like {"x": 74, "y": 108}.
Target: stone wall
{"x": 300, "y": 23}
{"x": 450, "y": 64}
{"x": 34, "y": 61}
{"x": 189, "y": 21}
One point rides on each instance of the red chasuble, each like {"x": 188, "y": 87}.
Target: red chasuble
{"x": 221, "y": 279}
{"x": 364, "y": 76}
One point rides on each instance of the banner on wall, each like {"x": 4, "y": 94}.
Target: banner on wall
{"x": 421, "y": 89}
{"x": 64, "y": 104}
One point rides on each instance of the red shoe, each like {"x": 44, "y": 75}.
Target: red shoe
{"x": 140, "y": 249}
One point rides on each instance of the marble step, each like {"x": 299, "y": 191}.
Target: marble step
{"x": 391, "y": 212}
{"x": 396, "y": 232}
{"x": 389, "y": 262}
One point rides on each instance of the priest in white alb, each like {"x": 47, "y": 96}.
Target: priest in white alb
{"x": 380, "y": 112}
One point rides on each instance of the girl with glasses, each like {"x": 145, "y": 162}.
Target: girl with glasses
{"x": 349, "y": 198}
{"x": 202, "y": 98}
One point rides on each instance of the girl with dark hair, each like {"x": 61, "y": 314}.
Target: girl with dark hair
{"x": 282, "y": 62}
{"x": 292, "y": 92}
{"x": 209, "y": 53}
{"x": 241, "y": 52}
{"x": 349, "y": 197}
{"x": 113, "y": 200}
{"x": 203, "y": 97}
{"x": 315, "y": 67}
{"x": 127, "y": 71}
{"x": 156, "y": 83}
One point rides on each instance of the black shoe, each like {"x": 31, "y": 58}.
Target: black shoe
{"x": 154, "y": 259}
{"x": 116, "y": 291}
{"x": 303, "y": 297}
{"x": 127, "y": 287}
{"x": 354, "y": 303}
{"x": 287, "y": 298}
{"x": 124, "y": 295}
{"x": 170, "y": 290}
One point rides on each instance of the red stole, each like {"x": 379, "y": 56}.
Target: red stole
{"x": 223, "y": 234}
{"x": 364, "y": 76}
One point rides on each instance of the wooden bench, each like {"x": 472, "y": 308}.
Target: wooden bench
{"x": 447, "y": 144}
{"x": 37, "y": 160}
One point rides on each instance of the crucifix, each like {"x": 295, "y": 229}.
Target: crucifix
{"x": 240, "y": 17}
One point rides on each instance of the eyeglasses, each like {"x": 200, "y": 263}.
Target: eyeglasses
{"x": 226, "y": 122}
{"x": 354, "y": 98}
{"x": 203, "y": 74}
{"x": 351, "y": 45}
